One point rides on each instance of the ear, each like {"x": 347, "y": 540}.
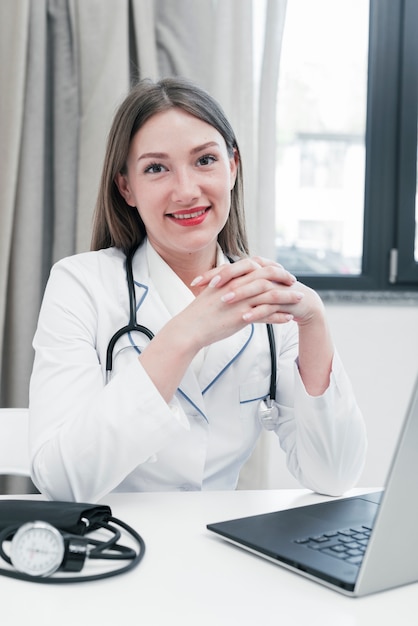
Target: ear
{"x": 122, "y": 184}
{"x": 233, "y": 164}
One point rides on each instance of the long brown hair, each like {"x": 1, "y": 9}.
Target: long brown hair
{"x": 115, "y": 222}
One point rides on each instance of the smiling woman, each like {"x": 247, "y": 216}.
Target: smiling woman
{"x": 183, "y": 406}
{"x": 185, "y": 183}
{"x": 114, "y": 225}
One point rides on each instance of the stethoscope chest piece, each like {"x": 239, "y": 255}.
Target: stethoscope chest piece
{"x": 269, "y": 414}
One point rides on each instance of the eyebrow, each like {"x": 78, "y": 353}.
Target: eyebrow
{"x": 164, "y": 155}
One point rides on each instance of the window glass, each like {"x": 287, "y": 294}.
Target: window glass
{"x": 322, "y": 99}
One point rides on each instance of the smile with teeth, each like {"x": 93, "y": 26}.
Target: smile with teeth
{"x": 188, "y": 216}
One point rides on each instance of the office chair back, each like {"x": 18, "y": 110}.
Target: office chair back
{"x": 14, "y": 445}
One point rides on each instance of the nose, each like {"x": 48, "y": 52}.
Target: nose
{"x": 185, "y": 187}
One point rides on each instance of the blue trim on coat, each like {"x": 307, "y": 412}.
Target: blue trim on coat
{"x": 230, "y": 362}
{"x": 144, "y": 295}
{"x": 192, "y": 403}
{"x": 135, "y": 347}
{"x": 263, "y": 397}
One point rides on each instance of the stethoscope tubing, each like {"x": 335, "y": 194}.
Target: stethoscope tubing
{"x": 132, "y": 325}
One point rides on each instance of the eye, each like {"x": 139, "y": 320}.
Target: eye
{"x": 155, "y": 168}
{"x": 207, "y": 159}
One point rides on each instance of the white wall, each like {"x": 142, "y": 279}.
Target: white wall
{"x": 378, "y": 344}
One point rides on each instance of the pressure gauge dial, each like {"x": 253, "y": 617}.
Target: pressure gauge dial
{"x": 37, "y": 549}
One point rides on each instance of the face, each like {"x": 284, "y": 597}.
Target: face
{"x": 179, "y": 177}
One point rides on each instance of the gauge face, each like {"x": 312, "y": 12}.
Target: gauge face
{"x": 37, "y": 549}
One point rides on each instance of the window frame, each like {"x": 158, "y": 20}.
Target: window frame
{"x": 391, "y": 151}
{"x": 407, "y": 266}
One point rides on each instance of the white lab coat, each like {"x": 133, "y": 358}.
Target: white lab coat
{"x": 88, "y": 438}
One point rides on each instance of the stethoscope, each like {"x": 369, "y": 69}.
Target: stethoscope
{"x": 269, "y": 413}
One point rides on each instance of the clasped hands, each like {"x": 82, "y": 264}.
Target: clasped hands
{"x": 262, "y": 291}
{"x": 228, "y": 298}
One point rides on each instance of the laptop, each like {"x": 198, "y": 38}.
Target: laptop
{"x": 356, "y": 545}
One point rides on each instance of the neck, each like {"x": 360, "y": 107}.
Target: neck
{"x": 189, "y": 268}
{"x": 189, "y": 265}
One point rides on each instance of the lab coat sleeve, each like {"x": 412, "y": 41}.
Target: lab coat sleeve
{"x": 85, "y": 436}
{"x": 324, "y": 437}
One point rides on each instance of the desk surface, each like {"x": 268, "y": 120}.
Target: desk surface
{"x": 190, "y": 577}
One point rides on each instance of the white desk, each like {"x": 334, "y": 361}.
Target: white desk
{"x": 190, "y": 577}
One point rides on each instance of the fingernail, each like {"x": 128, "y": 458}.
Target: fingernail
{"x": 215, "y": 280}
{"x": 196, "y": 281}
{"x": 228, "y": 296}
{"x": 247, "y": 316}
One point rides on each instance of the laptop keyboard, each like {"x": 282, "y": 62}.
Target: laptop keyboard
{"x": 348, "y": 544}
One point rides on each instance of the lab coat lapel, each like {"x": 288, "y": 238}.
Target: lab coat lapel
{"x": 221, "y": 355}
{"x": 218, "y": 359}
{"x": 151, "y": 312}
{"x": 150, "y": 309}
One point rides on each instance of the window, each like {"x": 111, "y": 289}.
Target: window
{"x": 407, "y": 237}
{"x": 347, "y": 144}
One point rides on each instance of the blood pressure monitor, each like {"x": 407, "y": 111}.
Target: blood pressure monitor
{"x": 40, "y": 549}
{"x": 42, "y": 541}
{"x": 37, "y": 549}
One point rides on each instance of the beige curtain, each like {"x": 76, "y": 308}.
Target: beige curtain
{"x": 64, "y": 67}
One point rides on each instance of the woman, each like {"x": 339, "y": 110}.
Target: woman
{"x": 180, "y": 411}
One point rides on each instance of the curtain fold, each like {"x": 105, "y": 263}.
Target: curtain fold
{"x": 104, "y": 78}
{"x": 65, "y": 65}
{"x": 62, "y": 131}
{"x": 144, "y": 32}
{"x": 28, "y": 261}
{"x": 44, "y": 200}
{"x": 234, "y": 87}
{"x": 14, "y": 33}
{"x": 267, "y": 124}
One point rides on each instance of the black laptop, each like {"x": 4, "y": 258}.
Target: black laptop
{"x": 357, "y": 545}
